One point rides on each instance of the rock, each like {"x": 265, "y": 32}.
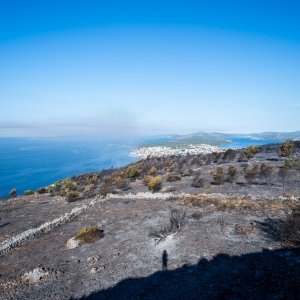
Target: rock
{"x": 94, "y": 270}
{"x": 72, "y": 243}
{"x": 93, "y": 259}
{"x": 35, "y": 275}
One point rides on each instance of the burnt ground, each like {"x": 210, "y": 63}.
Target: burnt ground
{"x": 220, "y": 252}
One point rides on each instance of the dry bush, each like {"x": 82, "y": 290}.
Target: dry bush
{"x": 287, "y": 148}
{"x": 172, "y": 178}
{"x": 89, "y": 235}
{"x": 121, "y": 183}
{"x": 93, "y": 179}
{"x": 287, "y": 231}
{"x": 167, "y": 164}
{"x": 155, "y": 184}
{"x": 153, "y": 171}
{"x": 227, "y": 204}
{"x": 177, "y": 220}
{"x": 251, "y": 151}
{"x": 218, "y": 176}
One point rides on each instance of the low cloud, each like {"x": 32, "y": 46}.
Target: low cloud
{"x": 117, "y": 123}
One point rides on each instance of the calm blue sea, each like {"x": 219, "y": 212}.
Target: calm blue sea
{"x": 27, "y": 163}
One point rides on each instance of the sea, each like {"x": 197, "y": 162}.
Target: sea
{"x": 31, "y": 163}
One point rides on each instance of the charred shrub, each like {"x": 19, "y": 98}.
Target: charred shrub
{"x": 229, "y": 155}
{"x": 172, "y": 178}
{"x": 199, "y": 182}
{"x": 13, "y": 193}
{"x": 72, "y": 196}
{"x": 266, "y": 171}
{"x": 231, "y": 173}
{"x": 251, "y": 172}
{"x": 286, "y": 231}
{"x": 293, "y": 163}
{"x": 218, "y": 176}
{"x": 177, "y": 220}
{"x": 106, "y": 189}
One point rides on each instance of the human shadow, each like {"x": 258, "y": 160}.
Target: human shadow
{"x": 264, "y": 275}
{"x": 164, "y": 260}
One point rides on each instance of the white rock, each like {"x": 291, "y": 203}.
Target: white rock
{"x": 93, "y": 259}
{"x": 94, "y": 270}
{"x": 72, "y": 243}
{"x": 35, "y": 275}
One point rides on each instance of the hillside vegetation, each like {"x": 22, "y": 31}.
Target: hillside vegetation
{"x": 220, "y": 225}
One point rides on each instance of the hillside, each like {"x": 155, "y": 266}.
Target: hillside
{"x": 217, "y": 225}
{"x": 218, "y": 138}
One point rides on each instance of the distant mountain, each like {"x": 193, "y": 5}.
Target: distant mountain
{"x": 219, "y": 138}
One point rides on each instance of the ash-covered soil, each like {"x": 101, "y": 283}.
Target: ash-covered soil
{"x": 233, "y": 240}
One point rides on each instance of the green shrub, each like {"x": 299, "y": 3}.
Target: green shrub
{"x": 70, "y": 186}
{"x": 132, "y": 172}
{"x": 172, "y": 178}
{"x": 89, "y": 235}
{"x": 155, "y": 184}
{"x": 28, "y": 193}
{"x": 287, "y": 148}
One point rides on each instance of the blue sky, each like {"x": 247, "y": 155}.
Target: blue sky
{"x": 148, "y": 67}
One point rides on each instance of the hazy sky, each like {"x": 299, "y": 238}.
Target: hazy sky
{"x": 148, "y": 67}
